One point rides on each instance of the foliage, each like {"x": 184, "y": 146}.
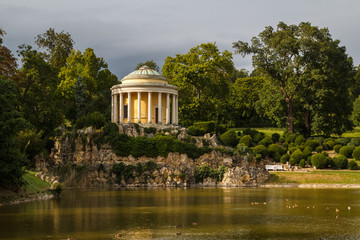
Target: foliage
{"x": 201, "y": 128}
{"x": 275, "y": 151}
{"x": 150, "y": 130}
{"x": 319, "y": 149}
{"x": 31, "y": 144}
{"x": 355, "y": 116}
{"x": 8, "y": 63}
{"x": 266, "y": 141}
{"x": 356, "y": 153}
{"x": 290, "y": 137}
{"x": 275, "y": 137}
{"x": 229, "y": 138}
{"x": 284, "y": 158}
{"x": 307, "y": 76}
{"x": 95, "y": 119}
{"x": 329, "y": 144}
{"x": 11, "y": 122}
{"x": 246, "y": 140}
{"x": 353, "y": 165}
{"x": 319, "y": 161}
{"x": 260, "y": 149}
{"x": 150, "y": 63}
{"x": 56, "y": 189}
{"x": 202, "y": 76}
{"x": 299, "y": 140}
{"x": 337, "y": 148}
{"x": 302, "y": 163}
{"x": 347, "y": 151}
{"x": 205, "y": 171}
{"x": 312, "y": 143}
{"x": 340, "y": 162}
{"x": 296, "y": 157}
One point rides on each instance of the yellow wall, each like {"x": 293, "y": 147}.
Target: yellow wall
{"x": 144, "y": 106}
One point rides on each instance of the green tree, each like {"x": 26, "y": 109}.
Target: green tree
{"x": 8, "y": 66}
{"x": 306, "y": 66}
{"x": 203, "y": 76}
{"x": 11, "y": 122}
{"x": 57, "y": 45}
{"x": 150, "y": 63}
{"x": 356, "y": 112}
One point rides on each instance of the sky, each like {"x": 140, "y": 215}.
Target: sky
{"x": 125, "y": 33}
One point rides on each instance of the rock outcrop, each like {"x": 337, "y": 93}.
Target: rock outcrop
{"x": 79, "y": 161}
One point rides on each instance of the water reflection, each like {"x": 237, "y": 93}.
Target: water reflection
{"x": 218, "y": 213}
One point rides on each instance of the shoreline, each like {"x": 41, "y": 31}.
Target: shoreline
{"x": 310, "y": 185}
{"x": 24, "y": 199}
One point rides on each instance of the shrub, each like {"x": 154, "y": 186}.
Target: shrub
{"x": 258, "y": 137}
{"x": 307, "y": 151}
{"x": 260, "y": 149}
{"x": 95, "y": 119}
{"x": 275, "y": 152}
{"x": 246, "y": 140}
{"x": 282, "y": 139}
{"x": 205, "y": 171}
{"x": 318, "y": 149}
{"x": 342, "y": 141}
{"x": 284, "y": 158}
{"x": 353, "y": 165}
{"x": 356, "y": 153}
{"x": 329, "y": 144}
{"x": 319, "y": 161}
{"x": 312, "y": 143}
{"x": 299, "y": 140}
{"x": 242, "y": 149}
{"x": 293, "y": 149}
{"x": 205, "y": 127}
{"x": 291, "y": 145}
{"x": 302, "y": 163}
{"x": 355, "y": 141}
{"x": 194, "y": 131}
{"x": 290, "y": 137}
{"x": 56, "y": 189}
{"x": 340, "y": 162}
{"x": 275, "y": 137}
{"x": 296, "y": 156}
{"x": 220, "y": 129}
{"x": 266, "y": 141}
{"x": 150, "y": 130}
{"x": 250, "y": 132}
{"x": 347, "y": 151}
{"x": 285, "y": 145}
{"x": 229, "y": 138}
{"x": 337, "y": 148}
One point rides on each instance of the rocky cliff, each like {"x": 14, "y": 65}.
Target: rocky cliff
{"x": 79, "y": 161}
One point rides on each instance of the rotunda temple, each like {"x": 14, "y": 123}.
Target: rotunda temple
{"x": 144, "y": 96}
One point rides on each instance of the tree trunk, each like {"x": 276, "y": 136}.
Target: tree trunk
{"x": 290, "y": 117}
{"x": 307, "y": 122}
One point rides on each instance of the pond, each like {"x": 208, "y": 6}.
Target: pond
{"x": 206, "y": 213}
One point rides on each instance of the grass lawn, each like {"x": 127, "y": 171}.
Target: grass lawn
{"x": 34, "y": 184}
{"x": 353, "y": 133}
{"x": 317, "y": 176}
{"x": 267, "y": 131}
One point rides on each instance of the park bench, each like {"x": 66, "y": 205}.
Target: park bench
{"x": 274, "y": 167}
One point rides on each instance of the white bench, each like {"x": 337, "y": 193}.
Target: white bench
{"x": 274, "y": 167}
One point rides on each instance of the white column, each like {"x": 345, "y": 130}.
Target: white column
{"x": 173, "y": 109}
{"x": 116, "y": 108}
{"x": 139, "y": 107}
{"x": 121, "y": 108}
{"x": 167, "y": 108}
{"x": 129, "y": 107}
{"x": 176, "y": 110}
{"x": 149, "y": 107}
{"x": 112, "y": 108}
{"x": 159, "y": 107}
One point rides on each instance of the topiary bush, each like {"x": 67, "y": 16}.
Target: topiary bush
{"x": 258, "y": 137}
{"x": 205, "y": 127}
{"x": 293, "y": 149}
{"x": 355, "y": 141}
{"x": 302, "y": 163}
{"x": 296, "y": 156}
{"x": 356, "y": 153}
{"x": 275, "y": 151}
{"x": 299, "y": 140}
{"x": 340, "y": 162}
{"x": 194, "y": 131}
{"x": 290, "y": 137}
{"x": 312, "y": 143}
{"x": 266, "y": 141}
{"x": 347, "y": 151}
{"x": 319, "y": 149}
{"x": 246, "y": 140}
{"x": 260, "y": 149}
{"x": 275, "y": 137}
{"x": 319, "y": 161}
{"x": 353, "y": 165}
{"x": 229, "y": 138}
{"x": 342, "y": 141}
{"x": 337, "y": 148}
{"x": 329, "y": 144}
{"x": 242, "y": 149}
{"x": 307, "y": 152}
{"x": 284, "y": 158}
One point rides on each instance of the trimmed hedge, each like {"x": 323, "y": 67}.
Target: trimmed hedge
{"x": 353, "y": 165}
{"x": 296, "y": 156}
{"x": 266, "y": 141}
{"x": 229, "y": 138}
{"x": 260, "y": 149}
{"x": 246, "y": 140}
{"x": 312, "y": 143}
{"x": 284, "y": 158}
{"x": 329, "y": 144}
{"x": 275, "y": 151}
{"x": 290, "y": 137}
{"x": 299, "y": 140}
{"x": 347, "y": 151}
{"x": 337, "y": 148}
{"x": 356, "y": 153}
{"x": 340, "y": 162}
{"x": 319, "y": 160}
{"x": 275, "y": 137}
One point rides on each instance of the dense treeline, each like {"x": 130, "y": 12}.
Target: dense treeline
{"x": 302, "y": 79}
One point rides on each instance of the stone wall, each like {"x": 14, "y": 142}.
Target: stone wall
{"x": 82, "y": 163}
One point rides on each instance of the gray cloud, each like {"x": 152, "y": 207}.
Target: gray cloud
{"x": 127, "y": 32}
